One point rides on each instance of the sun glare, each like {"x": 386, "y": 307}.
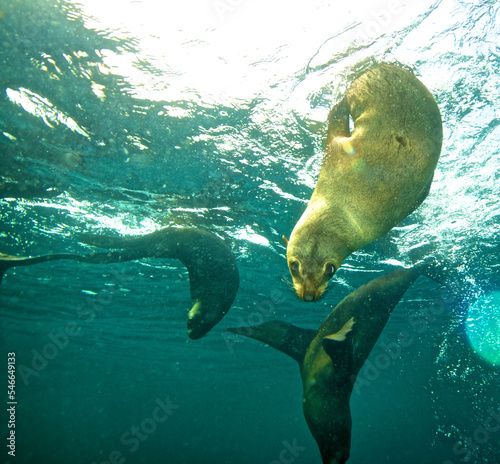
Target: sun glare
{"x": 483, "y": 326}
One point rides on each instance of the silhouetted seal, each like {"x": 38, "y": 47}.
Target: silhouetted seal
{"x": 371, "y": 178}
{"x": 213, "y": 274}
{"x": 331, "y": 357}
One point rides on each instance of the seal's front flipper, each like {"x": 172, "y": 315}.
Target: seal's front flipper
{"x": 371, "y": 306}
{"x": 338, "y": 121}
{"x": 339, "y": 346}
{"x": 341, "y": 334}
{"x": 282, "y": 336}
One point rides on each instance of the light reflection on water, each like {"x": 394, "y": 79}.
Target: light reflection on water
{"x": 483, "y": 326}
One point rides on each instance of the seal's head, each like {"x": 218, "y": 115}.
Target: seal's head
{"x": 311, "y": 267}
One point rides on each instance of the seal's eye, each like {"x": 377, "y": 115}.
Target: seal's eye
{"x": 294, "y": 266}
{"x": 329, "y": 270}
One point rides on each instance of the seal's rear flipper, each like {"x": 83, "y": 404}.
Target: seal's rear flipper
{"x": 282, "y": 336}
{"x": 8, "y": 261}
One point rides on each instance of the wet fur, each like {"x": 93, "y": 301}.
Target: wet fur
{"x": 331, "y": 356}
{"x": 360, "y": 196}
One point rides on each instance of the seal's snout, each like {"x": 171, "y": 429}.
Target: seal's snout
{"x": 308, "y": 291}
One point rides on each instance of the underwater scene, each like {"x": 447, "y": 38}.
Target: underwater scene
{"x": 173, "y": 292}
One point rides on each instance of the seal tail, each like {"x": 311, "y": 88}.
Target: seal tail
{"x": 281, "y": 336}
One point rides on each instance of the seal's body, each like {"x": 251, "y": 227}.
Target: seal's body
{"x": 211, "y": 265}
{"x": 331, "y": 357}
{"x": 371, "y": 178}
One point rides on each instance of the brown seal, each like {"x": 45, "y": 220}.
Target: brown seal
{"x": 213, "y": 274}
{"x": 371, "y": 178}
{"x": 331, "y": 357}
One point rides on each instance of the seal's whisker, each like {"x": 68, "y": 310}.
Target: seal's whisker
{"x": 288, "y": 282}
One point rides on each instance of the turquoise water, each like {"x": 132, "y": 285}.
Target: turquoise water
{"x": 211, "y": 114}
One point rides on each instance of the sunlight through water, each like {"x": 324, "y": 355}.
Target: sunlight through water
{"x": 119, "y": 118}
{"x": 483, "y": 326}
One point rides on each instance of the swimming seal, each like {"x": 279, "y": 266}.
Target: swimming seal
{"x": 213, "y": 274}
{"x": 331, "y": 357}
{"x": 371, "y": 178}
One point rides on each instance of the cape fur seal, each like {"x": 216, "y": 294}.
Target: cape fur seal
{"x": 213, "y": 274}
{"x": 371, "y": 178}
{"x": 330, "y": 357}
